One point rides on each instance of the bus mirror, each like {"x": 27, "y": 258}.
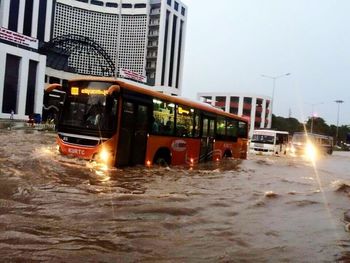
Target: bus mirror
{"x": 53, "y": 86}
{"x": 113, "y": 88}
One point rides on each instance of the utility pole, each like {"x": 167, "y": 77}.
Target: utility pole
{"x": 273, "y": 90}
{"x": 338, "y": 102}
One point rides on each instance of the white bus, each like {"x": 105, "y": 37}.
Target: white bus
{"x": 269, "y": 142}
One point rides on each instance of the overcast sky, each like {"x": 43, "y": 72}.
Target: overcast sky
{"x": 231, "y": 43}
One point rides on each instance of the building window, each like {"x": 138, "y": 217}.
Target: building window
{"x": 220, "y": 102}
{"x": 13, "y": 19}
{"x": 183, "y": 11}
{"x": 179, "y": 56}
{"x": 96, "y": 2}
{"x": 84, "y": 1}
{"x": 234, "y": 102}
{"x": 28, "y": 15}
{"x": 126, "y": 5}
{"x": 140, "y": 5}
{"x": 169, "y": 2}
{"x": 246, "y": 112}
{"x": 33, "y": 65}
{"x": 165, "y": 45}
{"x": 176, "y": 6}
{"x": 42, "y": 19}
{"x": 172, "y": 52}
{"x": 11, "y": 84}
{"x": 109, "y": 4}
{"x": 53, "y": 80}
{"x": 247, "y": 100}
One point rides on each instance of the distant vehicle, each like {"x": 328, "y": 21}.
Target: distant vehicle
{"x": 124, "y": 124}
{"x": 310, "y": 144}
{"x": 269, "y": 142}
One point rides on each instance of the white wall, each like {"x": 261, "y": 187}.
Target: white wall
{"x": 25, "y": 56}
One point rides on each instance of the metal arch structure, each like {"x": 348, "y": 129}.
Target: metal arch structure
{"x": 60, "y": 50}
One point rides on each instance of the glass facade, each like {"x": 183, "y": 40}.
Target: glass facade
{"x": 14, "y": 11}
{"x": 33, "y": 66}
{"x": 28, "y": 15}
{"x": 11, "y": 84}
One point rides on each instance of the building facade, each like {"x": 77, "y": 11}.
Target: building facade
{"x": 151, "y": 43}
{"x": 256, "y": 108}
{"x": 23, "y": 25}
{"x": 151, "y": 39}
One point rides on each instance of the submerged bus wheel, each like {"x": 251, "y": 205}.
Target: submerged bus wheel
{"x": 227, "y": 154}
{"x": 162, "y": 157}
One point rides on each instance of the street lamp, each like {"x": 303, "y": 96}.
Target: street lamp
{"x": 273, "y": 90}
{"x": 338, "y": 102}
{"x": 312, "y": 114}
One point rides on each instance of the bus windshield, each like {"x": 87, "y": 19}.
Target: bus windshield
{"x": 89, "y": 106}
{"x": 299, "y": 138}
{"x": 259, "y": 138}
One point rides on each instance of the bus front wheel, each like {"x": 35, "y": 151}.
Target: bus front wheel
{"x": 162, "y": 157}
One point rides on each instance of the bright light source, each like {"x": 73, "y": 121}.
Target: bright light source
{"x": 311, "y": 151}
{"x": 104, "y": 155}
{"x": 157, "y": 101}
{"x": 148, "y": 163}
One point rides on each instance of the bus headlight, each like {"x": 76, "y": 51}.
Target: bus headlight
{"x": 311, "y": 151}
{"x": 104, "y": 156}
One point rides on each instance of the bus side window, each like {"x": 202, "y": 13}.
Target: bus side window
{"x": 242, "y": 129}
{"x": 184, "y": 121}
{"x": 163, "y": 117}
{"x": 278, "y": 139}
{"x": 232, "y": 129}
{"x": 220, "y": 128}
{"x": 196, "y": 125}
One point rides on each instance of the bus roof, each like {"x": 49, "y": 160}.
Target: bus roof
{"x": 261, "y": 131}
{"x": 315, "y": 135}
{"x": 179, "y": 100}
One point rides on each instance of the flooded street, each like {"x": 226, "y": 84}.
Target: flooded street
{"x": 264, "y": 209}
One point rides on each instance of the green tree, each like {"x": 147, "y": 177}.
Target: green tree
{"x": 290, "y": 125}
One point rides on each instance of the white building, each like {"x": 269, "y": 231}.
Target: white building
{"x": 22, "y": 68}
{"x": 151, "y": 43}
{"x": 151, "y": 40}
{"x": 256, "y": 108}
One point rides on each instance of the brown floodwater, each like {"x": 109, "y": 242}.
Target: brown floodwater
{"x": 264, "y": 209}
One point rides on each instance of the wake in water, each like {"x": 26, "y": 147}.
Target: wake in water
{"x": 58, "y": 209}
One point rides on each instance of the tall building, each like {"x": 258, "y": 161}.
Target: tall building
{"x": 151, "y": 39}
{"x": 151, "y": 43}
{"x": 256, "y": 108}
{"x": 23, "y": 24}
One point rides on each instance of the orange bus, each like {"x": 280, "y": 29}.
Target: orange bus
{"x": 123, "y": 124}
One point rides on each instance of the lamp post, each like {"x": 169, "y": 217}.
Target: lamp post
{"x": 273, "y": 89}
{"x": 312, "y": 114}
{"x": 338, "y": 102}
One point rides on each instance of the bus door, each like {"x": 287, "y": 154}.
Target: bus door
{"x": 207, "y": 140}
{"x": 133, "y": 133}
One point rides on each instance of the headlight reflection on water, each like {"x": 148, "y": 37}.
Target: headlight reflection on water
{"x": 101, "y": 170}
